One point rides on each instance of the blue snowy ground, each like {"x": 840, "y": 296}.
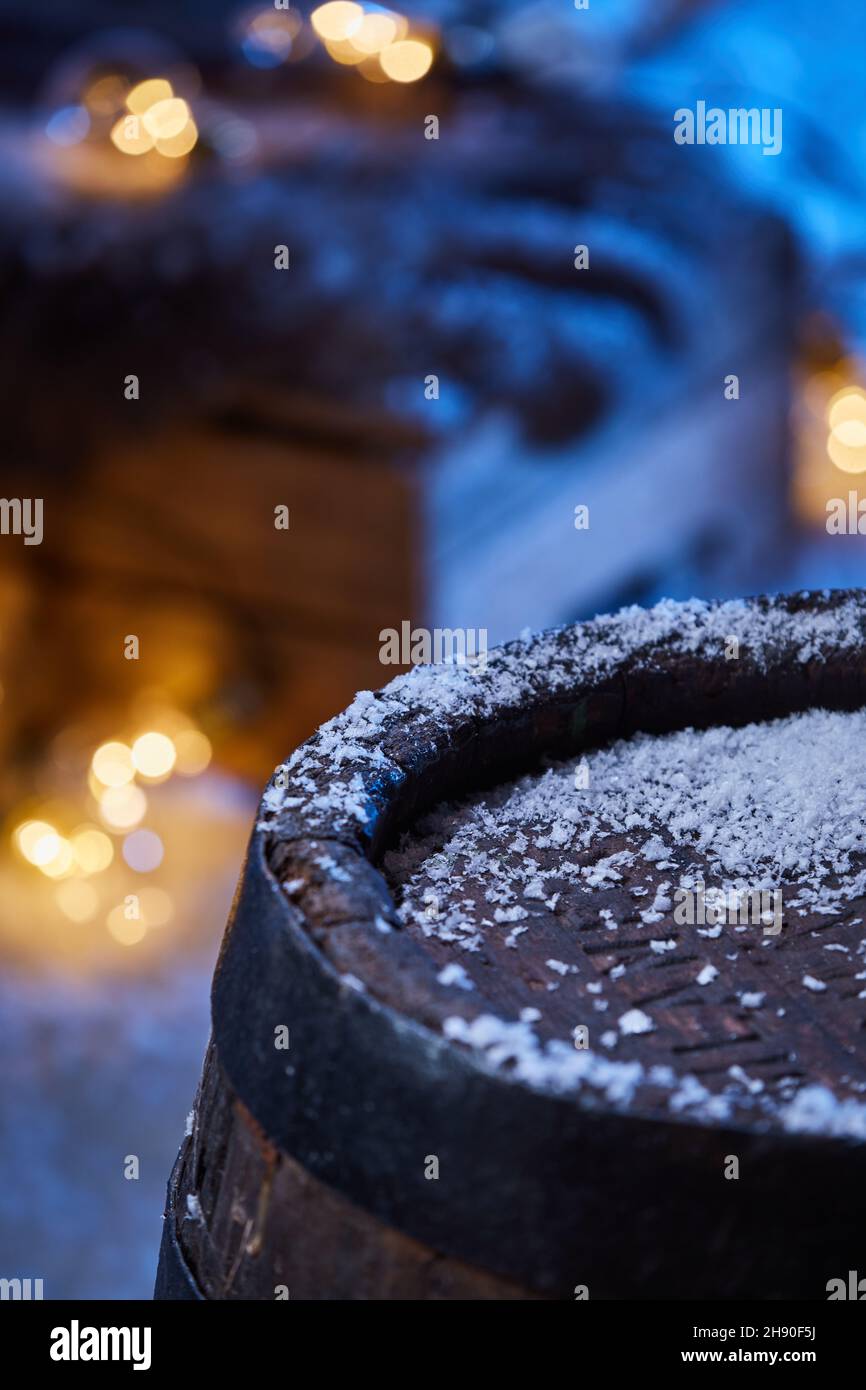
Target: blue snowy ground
{"x": 91, "y": 1075}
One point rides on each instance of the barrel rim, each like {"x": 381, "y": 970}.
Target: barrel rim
{"x": 591, "y": 697}
{"x": 407, "y": 1082}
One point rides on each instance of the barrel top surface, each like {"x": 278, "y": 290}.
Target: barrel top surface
{"x": 527, "y": 910}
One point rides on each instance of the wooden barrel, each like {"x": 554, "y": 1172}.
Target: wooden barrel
{"x": 348, "y": 1143}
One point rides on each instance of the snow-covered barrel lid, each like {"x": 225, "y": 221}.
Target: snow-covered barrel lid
{"x": 546, "y": 1149}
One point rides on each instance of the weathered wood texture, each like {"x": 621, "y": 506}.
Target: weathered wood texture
{"x": 538, "y": 1192}
{"x": 703, "y": 1029}
{"x": 264, "y": 1228}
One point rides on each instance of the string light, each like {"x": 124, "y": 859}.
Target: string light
{"x": 353, "y": 34}
{"x": 847, "y": 404}
{"x": 342, "y": 51}
{"x": 193, "y": 752}
{"x": 112, "y": 764}
{"x": 337, "y": 20}
{"x": 847, "y": 459}
{"x": 62, "y": 861}
{"x": 121, "y": 808}
{"x": 147, "y": 94}
{"x": 406, "y": 61}
{"x": 166, "y": 119}
{"x": 376, "y": 31}
{"x": 73, "y": 861}
{"x": 846, "y": 442}
{"x": 851, "y": 432}
{"x": 37, "y": 841}
{"x": 154, "y": 755}
{"x": 130, "y": 137}
{"x": 179, "y": 145}
{"x": 92, "y": 849}
{"x": 155, "y": 119}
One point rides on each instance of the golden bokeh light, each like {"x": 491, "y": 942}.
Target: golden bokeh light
{"x": 406, "y": 61}
{"x": 166, "y": 119}
{"x": 337, "y": 20}
{"x": 176, "y": 146}
{"x": 112, "y": 764}
{"x": 92, "y": 849}
{"x": 194, "y": 752}
{"x": 58, "y": 863}
{"x": 127, "y": 930}
{"x": 846, "y": 405}
{"x": 37, "y": 841}
{"x": 121, "y": 808}
{"x": 847, "y": 458}
{"x": 130, "y": 137}
{"x": 377, "y": 31}
{"x": 851, "y": 433}
{"x": 154, "y": 755}
{"x": 343, "y": 51}
{"x": 146, "y": 94}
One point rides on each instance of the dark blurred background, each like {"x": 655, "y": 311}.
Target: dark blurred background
{"x": 145, "y": 248}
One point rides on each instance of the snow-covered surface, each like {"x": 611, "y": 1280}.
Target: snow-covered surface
{"x": 326, "y": 778}
{"x": 762, "y": 804}
{"x": 769, "y": 803}
{"x": 558, "y": 1067}
{"x": 94, "y": 1073}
